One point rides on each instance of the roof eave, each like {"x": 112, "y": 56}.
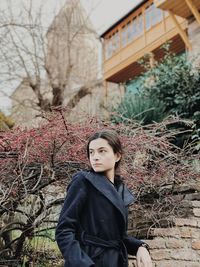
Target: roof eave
{"x": 122, "y": 18}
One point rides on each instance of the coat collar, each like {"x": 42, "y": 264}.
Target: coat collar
{"x": 119, "y": 199}
{"x": 126, "y": 195}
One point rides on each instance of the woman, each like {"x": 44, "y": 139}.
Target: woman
{"x": 91, "y": 230}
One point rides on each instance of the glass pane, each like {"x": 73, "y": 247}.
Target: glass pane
{"x": 148, "y": 17}
{"x": 140, "y": 25}
{"x": 124, "y": 36}
{"x": 115, "y": 41}
{"x": 156, "y": 15}
{"x": 129, "y": 34}
{"x": 134, "y": 28}
{"x": 108, "y": 49}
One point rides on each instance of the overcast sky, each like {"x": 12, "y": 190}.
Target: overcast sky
{"x": 107, "y": 12}
{"x": 102, "y": 13}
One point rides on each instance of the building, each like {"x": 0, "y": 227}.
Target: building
{"x": 143, "y": 31}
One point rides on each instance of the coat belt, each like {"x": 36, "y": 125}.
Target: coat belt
{"x": 87, "y": 239}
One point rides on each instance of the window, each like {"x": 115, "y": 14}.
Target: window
{"x": 148, "y": 17}
{"x": 134, "y": 28}
{"x": 153, "y": 15}
{"x": 108, "y": 48}
{"x": 157, "y": 15}
{"x": 124, "y": 36}
{"x": 129, "y": 32}
{"x": 115, "y": 41}
{"x": 140, "y": 25}
{"x": 137, "y": 27}
{"x": 112, "y": 45}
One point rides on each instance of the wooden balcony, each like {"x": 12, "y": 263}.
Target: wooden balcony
{"x": 123, "y": 65}
{"x": 181, "y": 8}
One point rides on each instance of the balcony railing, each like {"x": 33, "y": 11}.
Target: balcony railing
{"x": 142, "y": 31}
{"x": 133, "y": 29}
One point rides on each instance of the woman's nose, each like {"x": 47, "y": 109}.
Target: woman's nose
{"x": 96, "y": 156}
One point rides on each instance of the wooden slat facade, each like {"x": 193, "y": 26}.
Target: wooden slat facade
{"x": 120, "y": 65}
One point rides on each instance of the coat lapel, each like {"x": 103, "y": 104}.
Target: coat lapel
{"x": 126, "y": 195}
{"x": 102, "y": 184}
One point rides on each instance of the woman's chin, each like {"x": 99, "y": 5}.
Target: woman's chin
{"x": 98, "y": 169}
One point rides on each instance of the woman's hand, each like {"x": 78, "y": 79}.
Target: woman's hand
{"x": 143, "y": 258}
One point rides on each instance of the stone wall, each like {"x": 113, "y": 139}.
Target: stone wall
{"x": 194, "y": 34}
{"x": 194, "y": 37}
{"x": 179, "y": 244}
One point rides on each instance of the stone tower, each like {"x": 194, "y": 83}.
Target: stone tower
{"x": 71, "y": 58}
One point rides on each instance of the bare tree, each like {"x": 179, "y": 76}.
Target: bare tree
{"x": 51, "y": 62}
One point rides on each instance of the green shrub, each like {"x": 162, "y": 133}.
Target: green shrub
{"x": 177, "y": 84}
{"x": 137, "y": 107}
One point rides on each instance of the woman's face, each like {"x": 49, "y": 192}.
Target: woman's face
{"x": 101, "y": 155}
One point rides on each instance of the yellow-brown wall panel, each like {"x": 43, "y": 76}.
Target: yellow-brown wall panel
{"x": 132, "y": 48}
{"x": 115, "y": 60}
{"x": 155, "y": 33}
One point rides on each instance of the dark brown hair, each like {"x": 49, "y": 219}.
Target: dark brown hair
{"x": 113, "y": 140}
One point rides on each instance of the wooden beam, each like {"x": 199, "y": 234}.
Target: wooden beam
{"x": 180, "y": 30}
{"x": 193, "y": 9}
{"x": 152, "y": 60}
{"x": 158, "y": 3}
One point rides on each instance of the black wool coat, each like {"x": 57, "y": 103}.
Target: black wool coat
{"x": 92, "y": 226}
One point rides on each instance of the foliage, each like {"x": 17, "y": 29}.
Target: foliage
{"x": 138, "y": 107}
{"x": 177, "y": 84}
{"x": 37, "y": 164}
{"x": 171, "y": 87}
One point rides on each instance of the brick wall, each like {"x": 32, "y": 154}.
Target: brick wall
{"x": 177, "y": 245}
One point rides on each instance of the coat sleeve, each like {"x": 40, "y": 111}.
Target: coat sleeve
{"x": 68, "y": 224}
{"x": 132, "y": 244}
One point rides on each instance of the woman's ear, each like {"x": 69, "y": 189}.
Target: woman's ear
{"x": 117, "y": 157}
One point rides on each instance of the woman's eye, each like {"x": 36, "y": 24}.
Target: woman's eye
{"x": 102, "y": 151}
